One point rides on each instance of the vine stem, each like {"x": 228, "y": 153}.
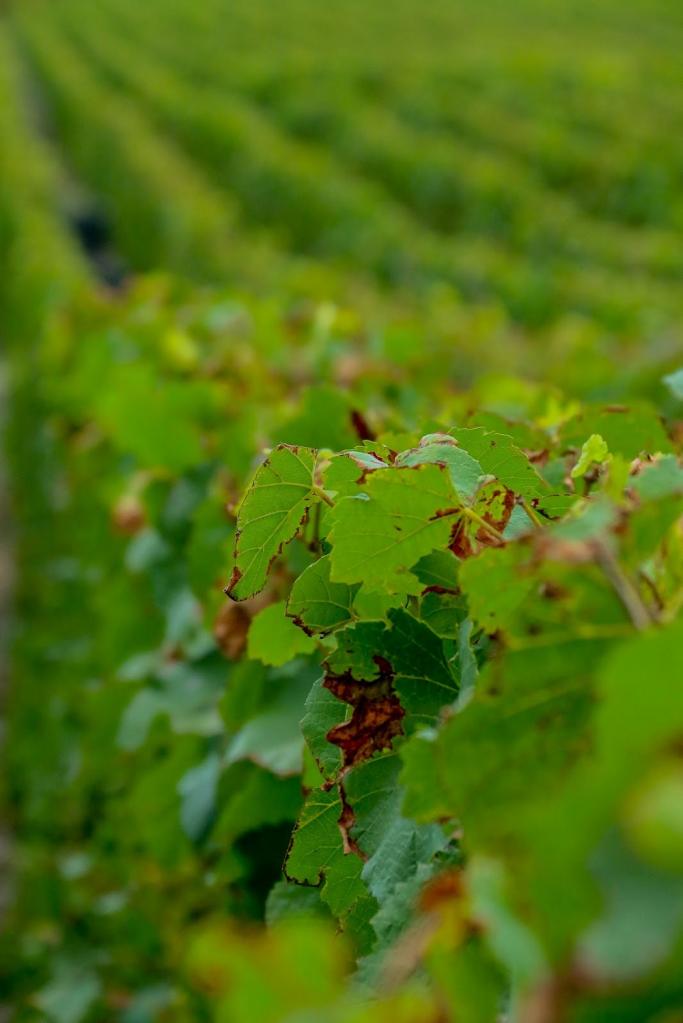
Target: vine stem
{"x": 322, "y": 496}
{"x": 639, "y": 613}
{"x": 532, "y": 514}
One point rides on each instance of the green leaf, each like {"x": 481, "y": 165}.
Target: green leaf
{"x": 197, "y": 791}
{"x": 496, "y": 585}
{"x": 594, "y": 451}
{"x": 286, "y": 900}
{"x": 317, "y": 853}
{"x": 323, "y": 712}
{"x": 627, "y": 431}
{"x": 323, "y": 421}
{"x": 378, "y": 538}
{"x": 251, "y": 798}
{"x": 662, "y": 478}
{"x": 441, "y": 449}
{"x": 394, "y": 845}
{"x": 439, "y": 570}
{"x": 272, "y": 736}
{"x": 422, "y": 677}
{"x": 271, "y": 512}
{"x": 317, "y": 604}
{"x": 501, "y": 458}
{"x": 527, "y": 719}
{"x": 274, "y": 639}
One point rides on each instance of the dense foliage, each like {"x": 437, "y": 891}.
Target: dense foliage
{"x": 385, "y": 343}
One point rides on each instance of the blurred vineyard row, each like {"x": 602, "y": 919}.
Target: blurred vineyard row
{"x": 225, "y": 227}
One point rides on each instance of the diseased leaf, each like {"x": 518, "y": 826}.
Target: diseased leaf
{"x": 377, "y": 717}
{"x": 271, "y": 512}
{"x": 491, "y": 512}
{"x": 324, "y": 711}
{"x": 394, "y": 845}
{"x": 317, "y": 854}
{"x": 407, "y": 655}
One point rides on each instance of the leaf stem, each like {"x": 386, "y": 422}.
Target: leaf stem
{"x": 639, "y": 613}
{"x": 322, "y": 496}
{"x": 483, "y": 524}
{"x": 531, "y": 513}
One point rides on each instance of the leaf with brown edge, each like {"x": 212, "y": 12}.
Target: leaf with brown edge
{"x": 270, "y": 515}
{"x": 377, "y": 715}
{"x": 492, "y": 507}
{"x": 405, "y": 651}
{"x": 499, "y": 456}
{"x": 319, "y": 854}
{"x": 316, "y": 604}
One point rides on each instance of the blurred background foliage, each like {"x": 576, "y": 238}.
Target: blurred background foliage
{"x": 238, "y": 223}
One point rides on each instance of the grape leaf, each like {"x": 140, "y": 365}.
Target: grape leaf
{"x": 323, "y": 712}
{"x": 271, "y": 737}
{"x": 527, "y": 719}
{"x": 271, "y": 512}
{"x": 317, "y": 854}
{"x": 274, "y": 639}
{"x": 316, "y": 603}
{"x": 500, "y": 457}
{"x": 496, "y": 583}
{"x": 394, "y": 845}
{"x": 627, "y": 431}
{"x": 379, "y": 536}
{"x": 593, "y": 451}
{"x": 464, "y": 470}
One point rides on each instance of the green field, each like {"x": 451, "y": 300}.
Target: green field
{"x": 371, "y": 317}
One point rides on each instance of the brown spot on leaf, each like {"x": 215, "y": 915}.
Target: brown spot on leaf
{"x": 443, "y": 513}
{"x": 377, "y": 714}
{"x": 347, "y": 820}
{"x": 553, "y": 591}
{"x": 494, "y": 505}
